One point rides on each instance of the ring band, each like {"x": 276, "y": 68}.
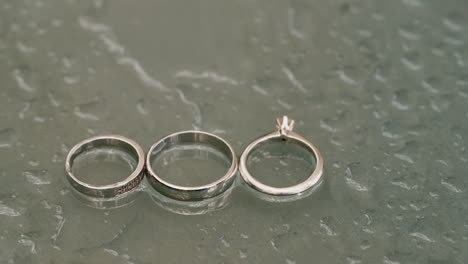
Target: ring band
{"x": 109, "y": 190}
{"x": 192, "y": 193}
{"x": 285, "y": 134}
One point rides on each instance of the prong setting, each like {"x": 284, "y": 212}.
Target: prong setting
{"x": 284, "y": 125}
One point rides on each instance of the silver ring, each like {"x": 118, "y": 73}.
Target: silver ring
{"x": 110, "y": 190}
{"x": 284, "y": 133}
{"x": 191, "y": 193}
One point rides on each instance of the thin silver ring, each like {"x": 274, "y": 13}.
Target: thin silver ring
{"x": 192, "y": 193}
{"x": 285, "y": 133}
{"x": 109, "y": 190}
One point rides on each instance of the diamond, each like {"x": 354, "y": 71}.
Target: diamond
{"x": 284, "y": 125}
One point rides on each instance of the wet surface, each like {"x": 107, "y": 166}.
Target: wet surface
{"x": 380, "y": 87}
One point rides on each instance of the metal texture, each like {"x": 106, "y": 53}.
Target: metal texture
{"x": 285, "y": 134}
{"x": 109, "y": 190}
{"x": 192, "y": 193}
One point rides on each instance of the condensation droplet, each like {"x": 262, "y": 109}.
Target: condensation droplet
{"x": 224, "y": 242}
{"x": 352, "y": 173}
{"x": 451, "y": 187}
{"x": 22, "y": 84}
{"x": 89, "y": 111}
{"x": 36, "y": 176}
{"x": 453, "y": 22}
{"x": 328, "y": 225}
{"x": 410, "y": 61}
{"x": 6, "y": 137}
{"x": 243, "y": 253}
{"x": 403, "y": 157}
{"x": 8, "y": 211}
{"x": 141, "y": 107}
{"x": 400, "y": 100}
{"x": 421, "y": 236}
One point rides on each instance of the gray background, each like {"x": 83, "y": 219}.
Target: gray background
{"x": 381, "y": 87}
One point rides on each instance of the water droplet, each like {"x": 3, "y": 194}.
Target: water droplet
{"x": 454, "y": 22}
{"x": 22, "y": 84}
{"x": 408, "y": 33}
{"x": 365, "y": 245}
{"x": 355, "y": 175}
{"x": 197, "y": 116}
{"x": 431, "y": 84}
{"x": 90, "y": 111}
{"x": 284, "y": 104}
{"x": 8, "y": 211}
{"x": 260, "y": 90}
{"x": 450, "y": 186}
{"x": 36, "y": 176}
{"x": 421, "y": 236}
{"x": 53, "y": 101}
{"x": 6, "y": 136}
{"x": 386, "y": 260}
{"x": 410, "y": 61}
{"x": 353, "y": 260}
{"x": 111, "y": 252}
{"x": 453, "y": 40}
{"x": 209, "y": 75}
{"x": 33, "y": 163}
{"x": 400, "y": 100}
{"x": 346, "y": 78}
{"x": 24, "y": 48}
{"x": 291, "y": 24}
{"x": 141, "y": 107}
{"x": 401, "y": 184}
{"x": 289, "y": 74}
{"x": 273, "y": 245}
{"x": 142, "y": 74}
{"x": 325, "y": 125}
{"x": 26, "y": 241}
{"x": 70, "y": 80}
{"x": 243, "y": 253}
{"x": 225, "y": 242}
{"x": 403, "y": 157}
{"x": 24, "y": 109}
{"x": 328, "y": 225}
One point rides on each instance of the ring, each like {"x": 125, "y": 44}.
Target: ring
{"x": 109, "y": 190}
{"x": 284, "y": 133}
{"x": 191, "y": 193}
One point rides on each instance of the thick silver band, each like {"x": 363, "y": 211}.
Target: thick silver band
{"x": 110, "y": 190}
{"x": 283, "y": 133}
{"x": 192, "y": 193}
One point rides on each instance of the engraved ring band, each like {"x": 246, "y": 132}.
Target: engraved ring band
{"x": 128, "y": 146}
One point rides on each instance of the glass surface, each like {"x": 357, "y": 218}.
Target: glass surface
{"x": 380, "y": 87}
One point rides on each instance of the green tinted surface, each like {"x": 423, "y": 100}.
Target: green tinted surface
{"x": 380, "y": 87}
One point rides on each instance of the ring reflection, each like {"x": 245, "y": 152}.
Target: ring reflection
{"x": 191, "y": 207}
{"x": 282, "y": 199}
{"x": 108, "y": 203}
